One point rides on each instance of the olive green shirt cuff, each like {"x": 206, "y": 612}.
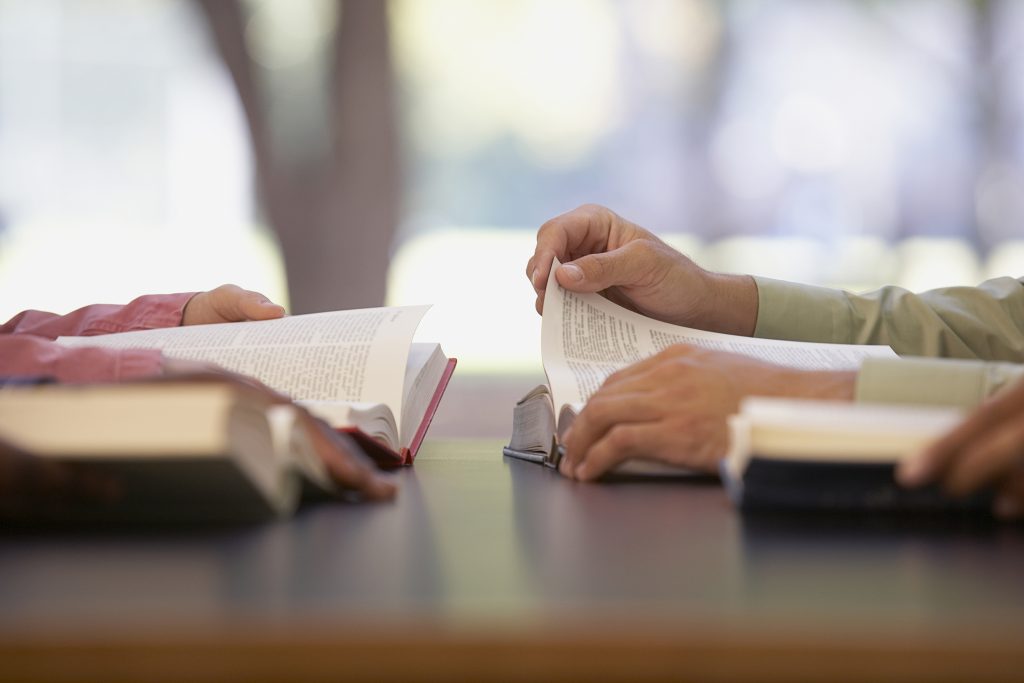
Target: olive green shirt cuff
{"x": 929, "y": 381}
{"x": 797, "y": 312}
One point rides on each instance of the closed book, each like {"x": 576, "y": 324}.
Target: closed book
{"x": 803, "y": 455}
{"x": 168, "y": 450}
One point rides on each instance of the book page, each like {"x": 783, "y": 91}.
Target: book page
{"x": 373, "y": 419}
{"x": 533, "y": 422}
{"x": 585, "y": 338}
{"x": 422, "y": 375}
{"x": 358, "y": 356}
{"x": 825, "y": 430}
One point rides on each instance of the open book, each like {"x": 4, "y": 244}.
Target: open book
{"x": 174, "y": 450}
{"x": 586, "y": 337}
{"x": 793, "y": 454}
{"x": 358, "y": 369}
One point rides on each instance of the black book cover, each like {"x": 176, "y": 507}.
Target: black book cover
{"x": 772, "y": 484}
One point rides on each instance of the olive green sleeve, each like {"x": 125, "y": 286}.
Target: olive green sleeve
{"x": 932, "y": 381}
{"x": 984, "y": 322}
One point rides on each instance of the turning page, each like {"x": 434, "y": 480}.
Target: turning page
{"x": 586, "y": 337}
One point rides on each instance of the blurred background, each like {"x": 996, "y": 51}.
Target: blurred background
{"x": 338, "y": 154}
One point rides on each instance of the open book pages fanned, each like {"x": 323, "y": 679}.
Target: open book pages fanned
{"x": 359, "y": 370}
{"x": 172, "y": 450}
{"x": 586, "y": 337}
{"x": 789, "y": 454}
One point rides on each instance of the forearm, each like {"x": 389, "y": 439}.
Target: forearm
{"x": 985, "y": 322}
{"x": 29, "y": 356}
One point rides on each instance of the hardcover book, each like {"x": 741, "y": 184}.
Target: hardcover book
{"x": 789, "y": 454}
{"x": 173, "y": 450}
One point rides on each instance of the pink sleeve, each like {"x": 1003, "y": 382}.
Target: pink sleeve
{"x": 143, "y": 313}
{"x": 23, "y": 355}
{"x": 27, "y": 349}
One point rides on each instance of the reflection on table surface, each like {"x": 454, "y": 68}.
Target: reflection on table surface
{"x": 481, "y": 549}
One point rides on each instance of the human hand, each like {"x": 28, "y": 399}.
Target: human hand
{"x": 985, "y": 450}
{"x": 602, "y": 252}
{"x": 228, "y": 304}
{"x": 344, "y": 459}
{"x": 673, "y": 406}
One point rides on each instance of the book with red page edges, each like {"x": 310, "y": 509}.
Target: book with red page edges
{"x": 388, "y": 457}
{"x": 359, "y": 370}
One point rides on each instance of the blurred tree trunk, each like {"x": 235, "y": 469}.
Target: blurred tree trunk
{"x": 334, "y": 205}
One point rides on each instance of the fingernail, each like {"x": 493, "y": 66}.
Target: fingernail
{"x": 533, "y": 279}
{"x": 573, "y": 272}
{"x": 1006, "y": 507}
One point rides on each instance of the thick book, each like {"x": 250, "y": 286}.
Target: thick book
{"x": 359, "y": 370}
{"x": 586, "y": 337}
{"x": 815, "y": 455}
{"x": 173, "y": 450}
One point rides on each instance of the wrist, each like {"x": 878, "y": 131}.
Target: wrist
{"x": 769, "y": 379}
{"x": 188, "y": 312}
{"x": 732, "y": 304}
{"x": 837, "y": 385}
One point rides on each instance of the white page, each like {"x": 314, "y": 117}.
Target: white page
{"x": 373, "y": 419}
{"x": 357, "y": 355}
{"x": 418, "y": 397}
{"x": 586, "y": 337}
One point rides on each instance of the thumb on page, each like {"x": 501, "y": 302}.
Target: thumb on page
{"x": 596, "y": 272}
{"x": 255, "y": 306}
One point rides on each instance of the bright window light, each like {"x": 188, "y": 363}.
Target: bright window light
{"x": 483, "y": 305}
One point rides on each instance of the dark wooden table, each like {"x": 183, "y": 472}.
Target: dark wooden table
{"x": 490, "y": 569}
